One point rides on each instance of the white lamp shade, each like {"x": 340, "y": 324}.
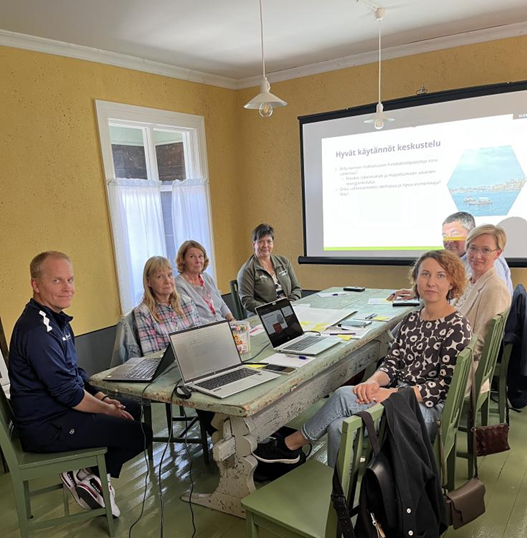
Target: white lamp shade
{"x": 265, "y": 96}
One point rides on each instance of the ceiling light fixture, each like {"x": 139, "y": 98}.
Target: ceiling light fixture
{"x": 265, "y": 101}
{"x": 379, "y": 118}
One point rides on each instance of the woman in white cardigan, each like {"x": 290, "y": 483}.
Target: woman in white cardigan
{"x": 486, "y": 294}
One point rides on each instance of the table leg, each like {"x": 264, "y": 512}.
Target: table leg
{"x": 232, "y": 452}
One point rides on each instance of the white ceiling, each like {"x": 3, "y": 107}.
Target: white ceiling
{"x": 222, "y": 37}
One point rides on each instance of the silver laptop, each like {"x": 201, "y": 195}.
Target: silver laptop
{"x": 209, "y": 361}
{"x": 286, "y": 333}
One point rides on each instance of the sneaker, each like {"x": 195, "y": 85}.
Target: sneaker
{"x": 265, "y": 472}
{"x": 69, "y": 480}
{"x": 271, "y": 452}
{"x": 90, "y": 490}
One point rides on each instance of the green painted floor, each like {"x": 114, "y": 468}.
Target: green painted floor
{"x": 504, "y": 475}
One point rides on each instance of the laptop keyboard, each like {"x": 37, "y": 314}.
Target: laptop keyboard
{"x": 227, "y": 378}
{"x": 146, "y": 368}
{"x": 306, "y": 342}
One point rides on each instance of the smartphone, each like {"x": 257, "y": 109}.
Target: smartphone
{"x": 354, "y": 288}
{"x": 354, "y": 323}
{"x": 279, "y": 369}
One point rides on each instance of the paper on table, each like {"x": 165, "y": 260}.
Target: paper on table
{"x": 256, "y": 330}
{"x": 354, "y": 333}
{"x": 333, "y": 294}
{"x": 317, "y": 319}
{"x": 281, "y": 359}
{"x": 379, "y": 301}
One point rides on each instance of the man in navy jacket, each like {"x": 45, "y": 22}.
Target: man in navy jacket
{"x": 55, "y": 407}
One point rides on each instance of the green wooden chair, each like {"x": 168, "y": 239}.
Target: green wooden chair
{"x": 25, "y": 466}
{"x": 500, "y": 377}
{"x": 239, "y": 311}
{"x": 452, "y": 413}
{"x": 298, "y": 503}
{"x": 484, "y": 373}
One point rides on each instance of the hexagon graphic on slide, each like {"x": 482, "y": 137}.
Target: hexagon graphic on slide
{"x": 486, "y": 181}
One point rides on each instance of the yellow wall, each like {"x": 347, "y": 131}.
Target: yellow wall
{"x": 52, "y": 181}
{"x": 270, "y": 169}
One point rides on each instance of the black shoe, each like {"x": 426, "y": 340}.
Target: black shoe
{"x": 270, "y": 471}
{"x": 271, "y": 453}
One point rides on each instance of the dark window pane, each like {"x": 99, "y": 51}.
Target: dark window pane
{"x": 171, "y": 161}
{"x": 129, "y": 161}
{"x": 128, "y": 152}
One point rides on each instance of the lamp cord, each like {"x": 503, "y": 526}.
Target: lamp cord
{"x": 379, "y": 20}
{"x": 262, "y": 39}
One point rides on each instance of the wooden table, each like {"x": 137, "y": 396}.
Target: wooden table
{"x": 246, "y": 418}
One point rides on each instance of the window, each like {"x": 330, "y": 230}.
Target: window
{"x": 157, "y": 187}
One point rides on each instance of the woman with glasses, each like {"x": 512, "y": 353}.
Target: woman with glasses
{"x": 486, "y": 294}
{"x": 265, "y": 277}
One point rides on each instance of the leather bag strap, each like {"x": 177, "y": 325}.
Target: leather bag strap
{"x": 340, "y": 505}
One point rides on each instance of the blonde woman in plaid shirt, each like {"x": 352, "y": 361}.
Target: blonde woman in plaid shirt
{"x": 163, "y": 310}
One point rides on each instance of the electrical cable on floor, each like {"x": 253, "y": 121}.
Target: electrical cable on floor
{"x": 194, "y": 530}
{"x": 160, "y": 485}
{"x": 147, "y": 476}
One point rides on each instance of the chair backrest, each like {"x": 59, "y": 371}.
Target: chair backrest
{"x": 491, "y": 348}
{"x": 348, "y": 463}
{"x": 453, "y": 407}
{"x": 3, "y": 344}
{"x": 239, "y": 311}
{"x": 126, "y": 343}
{"x": 6, "y": 432}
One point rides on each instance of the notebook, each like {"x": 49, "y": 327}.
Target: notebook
{"x": 285, "y": 332}
{"x": 209, "y": 361}
{"x": 143, "y": 369}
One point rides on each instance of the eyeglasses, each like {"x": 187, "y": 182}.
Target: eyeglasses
{"x": 483, "y": 251}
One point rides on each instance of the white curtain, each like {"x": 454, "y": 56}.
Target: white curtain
{"x": 138, "y": 233}
{"x": 190, "y": 214}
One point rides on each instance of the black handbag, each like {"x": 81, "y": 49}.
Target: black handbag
{"x": 466, "y": 503}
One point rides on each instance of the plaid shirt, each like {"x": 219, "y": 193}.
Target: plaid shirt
{"x": 153, "y": 335}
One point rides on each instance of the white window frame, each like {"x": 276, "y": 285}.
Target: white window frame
{"x": 195, "y": 147}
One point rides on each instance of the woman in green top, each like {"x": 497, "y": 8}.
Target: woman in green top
{"x": 265, "y": 277}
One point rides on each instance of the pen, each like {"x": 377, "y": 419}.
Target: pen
{"x": 371, "y": 316}
{"x": 344, "y": 334}
{"x": 335, "y": 294}
{"x": 303, "y": 357}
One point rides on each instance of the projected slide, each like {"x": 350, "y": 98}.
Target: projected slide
{"x": 383, "y": 194}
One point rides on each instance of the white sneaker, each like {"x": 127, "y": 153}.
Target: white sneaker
{"x": 90, "y": 491}
{"x": 70, "y": 481}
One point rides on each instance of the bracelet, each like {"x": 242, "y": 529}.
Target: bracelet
{"x": 104, "y": 397}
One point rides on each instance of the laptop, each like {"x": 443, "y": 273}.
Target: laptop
{"x": 143, "y": 369}
{"x": 285, "y": 332}
{"x": 209, "y": 361}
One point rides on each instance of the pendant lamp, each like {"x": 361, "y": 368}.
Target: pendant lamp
{"x": 379, "y": 118}
{"x": 265, "y": 101}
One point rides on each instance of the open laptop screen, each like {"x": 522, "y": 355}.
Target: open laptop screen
{"x": 206, "y": 350}
{"x": 280, "y": 322}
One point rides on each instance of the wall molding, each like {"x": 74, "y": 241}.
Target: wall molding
{"x": 80, "y": 52}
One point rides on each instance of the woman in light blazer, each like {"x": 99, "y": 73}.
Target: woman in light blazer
{"x": 486, "y": 294}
